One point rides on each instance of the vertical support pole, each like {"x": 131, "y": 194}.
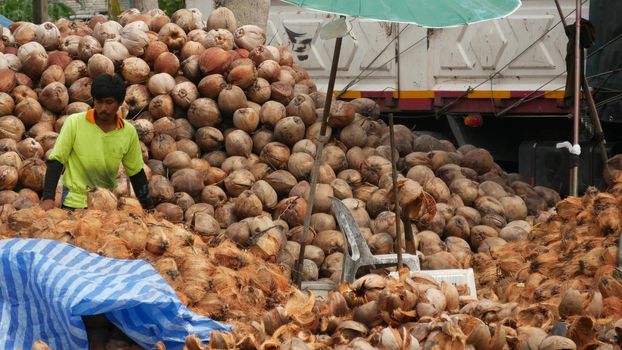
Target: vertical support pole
{"x": 398, "y": 216}
{"x": 316, "y": 164}
{"x": 600, "y": 135}
{"x": 574, "y": 174}
{"x": 39, "y": 11}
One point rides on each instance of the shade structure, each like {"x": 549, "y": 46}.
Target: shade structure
{"x": 426, "y": 13}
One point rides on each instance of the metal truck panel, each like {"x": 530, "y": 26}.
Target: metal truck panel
{"x": 449, "y": 59}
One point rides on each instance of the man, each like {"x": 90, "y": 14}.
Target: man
{"x": 90, "y": 147}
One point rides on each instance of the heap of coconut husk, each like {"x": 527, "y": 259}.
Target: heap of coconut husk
{"x": 563, "y": 275}
{"x": 210, "y": 274}
{"x": 217, "y": 279}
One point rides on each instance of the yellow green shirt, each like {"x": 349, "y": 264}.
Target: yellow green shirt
{"x": 91, "y": 157}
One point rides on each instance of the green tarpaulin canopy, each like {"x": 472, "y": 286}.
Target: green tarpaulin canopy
{"x": 426, "y": 13}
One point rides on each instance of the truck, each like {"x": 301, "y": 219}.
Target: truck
{"x": 499, "y": 84}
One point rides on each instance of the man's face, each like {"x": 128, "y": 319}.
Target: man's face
{"x": 106, "y": 108}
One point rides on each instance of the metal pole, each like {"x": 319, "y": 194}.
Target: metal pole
{"x": 398, "y": 216}
{"x": 408, "y": 231}
{"x": 574, "y": 177}
{"x": 600, "y": 135}
{"x": 316, "y": 162}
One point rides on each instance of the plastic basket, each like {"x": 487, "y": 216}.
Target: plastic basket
{"x": 453, "y": 276}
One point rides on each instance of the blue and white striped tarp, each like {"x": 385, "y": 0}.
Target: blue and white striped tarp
{"x": 46, "y": 286}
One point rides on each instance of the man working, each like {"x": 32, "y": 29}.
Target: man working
{"x": 90, "y": 147}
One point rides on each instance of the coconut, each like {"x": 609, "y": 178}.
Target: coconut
{"x": 161, "y": 84}
{"x": 366, "y": 107}
{"x": 260, "y": 91}
{"x": 242, "y": 75}
{"x": 266, "y": 194}
{"x": 209, "y": 138}
{"x": 249, "y": 37}
{"x": 30, "y": 148}
{"x": 116, "y": 52}
{"x": 247, "y": 204}
{"x": 329, "y": 241}
{"x": 275, "y": 154}
{"x": 8, "y": 177}
{"x": 292, "y": 210}
{"x": 514, "y": 207}
{"x": 238, "y": 181}
{"x": 271, "y": 113}
{"x": 184, "y": 94}
{"x": 99, "y": 64}
{"x": 281, "y": 92}
{"x": 54, "y": 97}
{"x": 53, "y": 73}
{"x": 289, "y": 130}
{"x": 161, "y": 145}
{"x": 32, "y": 174}
{"x": 203, "y": 112}
{"x": 300, "y": 165}
{"x": 230, "y": 99}
{"x": 160, "y": 189}
{"x": 222, "y": 18}
{"x": 246, "y": 119}
{"x": 173, "y": 36}
{"x": 211, "y": 85}
{"x": 466, "y": 189}
{"x": 221, "y": 38}
{"x": 479, "y": 160}
{"x": 75, "y": 70}
{"x": 11, "y": 128}
{"x": 238, "y": 143}
{"x": 213, "y": 195}
{"x": 80, "y": 91}
{"x": 281, "y": 181}
{"x": 170, "y": 212}
{"x": 29, "y": 111}
{"x": 489, "y": 205}
{"x": 214, "y": 60}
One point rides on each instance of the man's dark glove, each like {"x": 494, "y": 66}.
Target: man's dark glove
{"x": 141, "y": 188}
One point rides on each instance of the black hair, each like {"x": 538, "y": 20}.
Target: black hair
{"x": 108, "y": 86}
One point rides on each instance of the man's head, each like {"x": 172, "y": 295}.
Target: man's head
{"x": 108, "y": 94}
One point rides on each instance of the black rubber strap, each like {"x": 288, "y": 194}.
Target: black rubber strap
{"x": 141, "y": 188}
{"x": 575, "y": 160}
{"x": 52, "y": 175}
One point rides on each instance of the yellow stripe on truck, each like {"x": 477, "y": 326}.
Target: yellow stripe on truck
{"x": 414, "y": 94}
{"x": 428, "y": 94}
{"x": 490, "y": 94}
{"x": 349, "y": 94}
{"x": 554, "y": 94}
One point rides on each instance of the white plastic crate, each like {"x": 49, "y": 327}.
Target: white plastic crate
{"x": 453, "y": 276}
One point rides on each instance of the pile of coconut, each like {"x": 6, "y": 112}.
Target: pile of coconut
{"x": 229, "y": 130}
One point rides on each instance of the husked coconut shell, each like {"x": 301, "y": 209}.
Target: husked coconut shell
{"x": 292, "y": 210}
{"x": 438, "y": 189}
{"x": 440, "y": 261}
{"x": 479, "y": 160}
{"x": 466, "y": 189}
{"x": 458, "y": 226}
{"x": 329, "y": 241}
{"x": 514, "y": 207}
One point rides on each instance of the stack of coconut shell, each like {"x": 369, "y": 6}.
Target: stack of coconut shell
{"x": 229, "y": 128}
